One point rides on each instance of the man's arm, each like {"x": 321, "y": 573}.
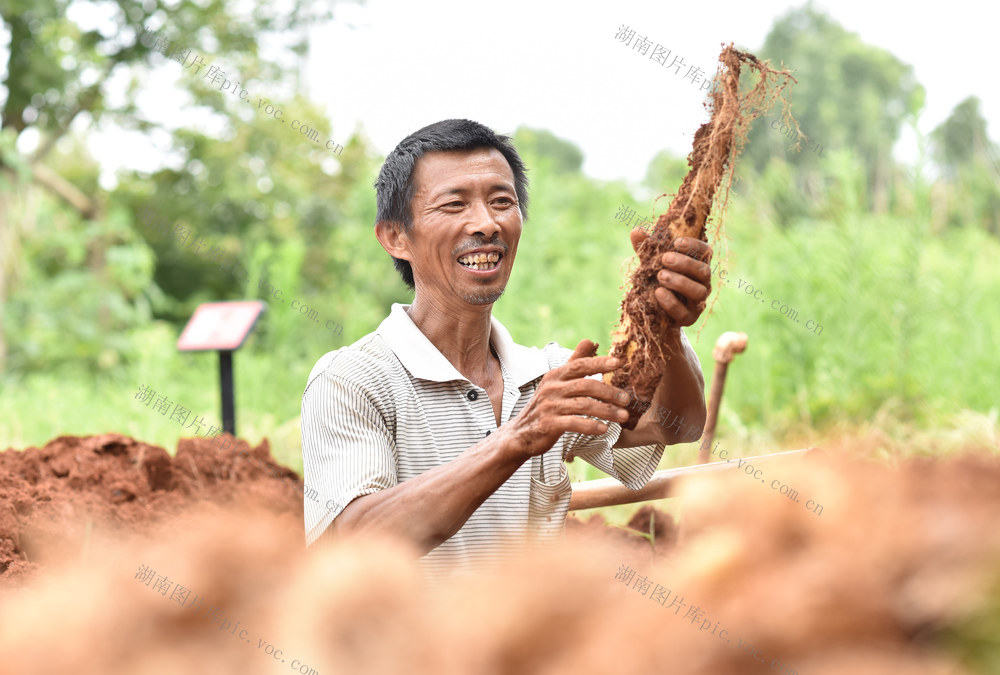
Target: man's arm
{"x": 677, "y": 413}
{"x": 430, "y": 508}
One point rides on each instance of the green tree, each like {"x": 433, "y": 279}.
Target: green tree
{"x": 562, "y": 156}
{"x": 961, "y": 139}
{"x": 970, "y": 182}
{"x": 849, "y": 96}
{"x": 665, "y": 173}
{"x": 87, "y": 273}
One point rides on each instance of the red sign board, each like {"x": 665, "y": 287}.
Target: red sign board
{"x": 220, "y": 325}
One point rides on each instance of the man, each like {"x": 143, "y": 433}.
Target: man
{"x": 438, "y": 427}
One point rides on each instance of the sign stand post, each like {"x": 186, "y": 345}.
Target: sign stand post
{"x": 228, "y": 397}
{"x": 222, "y": 327}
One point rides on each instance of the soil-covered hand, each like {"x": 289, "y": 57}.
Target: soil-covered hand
{"x": 686, "y": 272}
{"x": 564, "y": 396}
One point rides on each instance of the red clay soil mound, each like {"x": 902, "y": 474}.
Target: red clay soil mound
{"x": 58, "y": 499}
{"x": 55, "y": 498}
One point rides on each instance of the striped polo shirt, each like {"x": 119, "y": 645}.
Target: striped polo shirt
{"x": 390, "y": 407}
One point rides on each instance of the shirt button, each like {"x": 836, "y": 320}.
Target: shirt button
{"x": 472, "y": 395}
{"x": 488, "y": 433}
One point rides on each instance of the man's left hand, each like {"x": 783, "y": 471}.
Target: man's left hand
{"x": 685, "y": 280}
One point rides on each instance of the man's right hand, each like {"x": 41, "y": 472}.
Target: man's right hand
{"x": 564, "y": 396}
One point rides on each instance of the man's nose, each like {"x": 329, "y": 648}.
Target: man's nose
{"x": 481, "y": 221}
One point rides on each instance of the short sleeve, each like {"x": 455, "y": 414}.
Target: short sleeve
{"x": 632, "y": 467}
{"x": 347, "y": 449}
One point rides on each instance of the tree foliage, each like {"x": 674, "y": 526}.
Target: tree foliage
{"x": 970, "y": 166}
{"x": 849, "y": 95}
{"x": 66, "y": 66}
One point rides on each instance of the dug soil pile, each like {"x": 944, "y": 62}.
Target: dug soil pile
{"x": 57, "y": 500}
{"x": 52, "y": 498}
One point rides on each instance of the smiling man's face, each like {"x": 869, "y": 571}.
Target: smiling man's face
{"x": 466, "y": 225}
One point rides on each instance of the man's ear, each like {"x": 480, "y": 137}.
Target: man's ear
{"x": 393, "y": 238}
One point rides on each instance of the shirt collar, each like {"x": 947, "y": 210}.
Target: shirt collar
{"x": 423, "y": 360}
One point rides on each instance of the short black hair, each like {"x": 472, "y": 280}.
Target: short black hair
{"x": 394, "y": 187}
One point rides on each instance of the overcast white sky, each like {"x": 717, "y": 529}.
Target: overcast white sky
{"x": 392, "y": 66}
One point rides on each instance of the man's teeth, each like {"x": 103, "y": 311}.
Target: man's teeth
{"x": 480, "y": 261}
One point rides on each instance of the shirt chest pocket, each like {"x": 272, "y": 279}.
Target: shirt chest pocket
{"x": 548, "y": 500}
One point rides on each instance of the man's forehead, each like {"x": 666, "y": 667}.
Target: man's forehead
{"x": 441, "y": 166}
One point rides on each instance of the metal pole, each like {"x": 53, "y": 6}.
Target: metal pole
{"x": 226, "y": 381}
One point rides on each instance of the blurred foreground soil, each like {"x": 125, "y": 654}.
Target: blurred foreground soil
{"x": 118, "y": 558}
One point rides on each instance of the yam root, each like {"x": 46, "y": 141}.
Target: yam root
{"x": 638, "y": 339}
